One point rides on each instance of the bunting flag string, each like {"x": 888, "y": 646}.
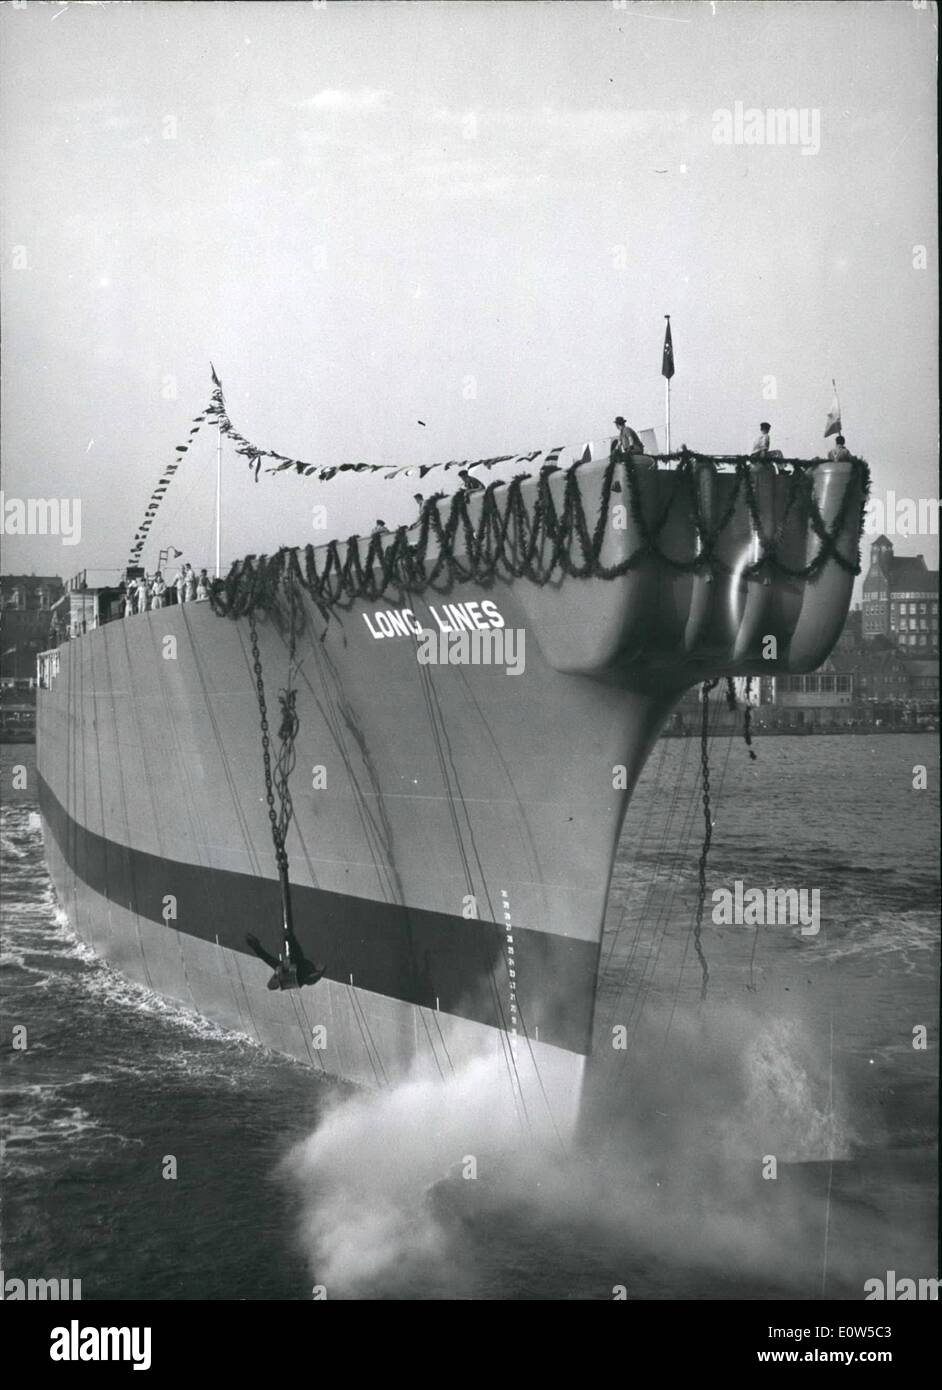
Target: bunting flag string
{"x": 216, "y": 414}
{"x": 281, "y": 463}
{"x": 159, "y": 492}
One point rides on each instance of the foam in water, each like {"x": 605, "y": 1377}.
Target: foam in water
{"x": 669, "y": 1163}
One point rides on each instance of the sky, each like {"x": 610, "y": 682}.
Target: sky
{"x": 471, "y": 215}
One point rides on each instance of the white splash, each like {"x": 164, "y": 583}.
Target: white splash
{"x": 668, "y": 1161}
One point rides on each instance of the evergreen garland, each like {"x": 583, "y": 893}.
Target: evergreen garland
{"x": 539, "y": 541}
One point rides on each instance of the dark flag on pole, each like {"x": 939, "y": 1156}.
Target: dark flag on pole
{"x": 667, "y": 360}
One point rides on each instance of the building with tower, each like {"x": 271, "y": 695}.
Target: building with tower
{"x": 901, "y": 600}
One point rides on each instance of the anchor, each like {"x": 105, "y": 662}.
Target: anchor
{"x": 291, "y": 968}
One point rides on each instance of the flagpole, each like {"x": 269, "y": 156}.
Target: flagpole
{"x": 219, "y": 504}
{"x": 667, "y": 379}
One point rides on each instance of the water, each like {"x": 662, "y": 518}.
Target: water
{"x": 803, "y": 1052}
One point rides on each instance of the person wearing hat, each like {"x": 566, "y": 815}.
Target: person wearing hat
{"x": 627, "y": 441}
{"x": 839, "y": 451}
{"x": 158, "y": 591}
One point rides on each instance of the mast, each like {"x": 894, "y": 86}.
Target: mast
{"x": 667, "y": 411}
{"x": 218, "y": 503}
{"x": 667, "y": 371}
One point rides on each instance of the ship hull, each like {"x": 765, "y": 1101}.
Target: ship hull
{"x": 462, "y": 828}
{"x": 454, "y": 822}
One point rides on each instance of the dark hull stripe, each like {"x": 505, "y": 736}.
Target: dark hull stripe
{"x": 406, "y": 953}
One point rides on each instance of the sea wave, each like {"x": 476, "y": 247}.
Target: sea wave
{"x": 906, "y": 936}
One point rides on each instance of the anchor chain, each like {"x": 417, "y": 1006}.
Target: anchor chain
{"x": 707, "y": 833}
{"x": 732, "y": 704}
{"x": 277, "y": 780}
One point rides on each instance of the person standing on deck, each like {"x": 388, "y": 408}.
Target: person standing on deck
{"x": 180, "y": 583}
{"x": 202, "y": 586}
{"x": 761, "y": 446}
{"x": 839, "y": 451}
{"x": 627, "y": 442}
{"x": 158, "y": 591}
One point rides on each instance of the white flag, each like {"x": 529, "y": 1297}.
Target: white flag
{"x": 833, "y": 425}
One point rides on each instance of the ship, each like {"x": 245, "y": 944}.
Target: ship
{"x": 415, "y": 750}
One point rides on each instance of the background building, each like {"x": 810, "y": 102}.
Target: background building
{"x": 26, "y": 602}
{"x": 824, "y": 696}
{"x": 924, "y": 685}
{"x": 901, "y": 599}
{"x": 857, "y": 686}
